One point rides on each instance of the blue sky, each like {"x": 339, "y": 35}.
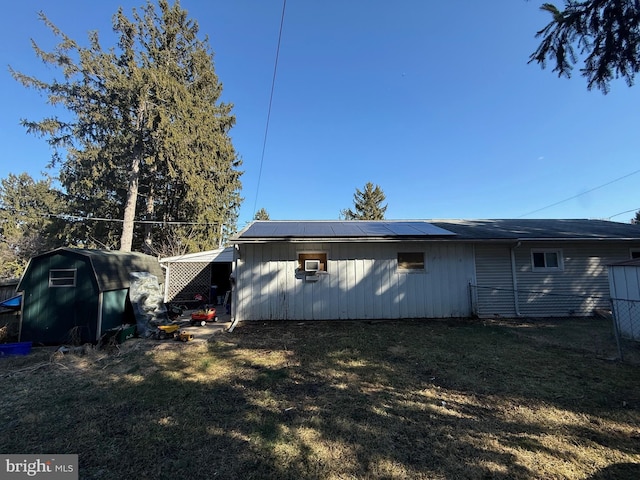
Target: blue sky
{"x": 433, "y": 101}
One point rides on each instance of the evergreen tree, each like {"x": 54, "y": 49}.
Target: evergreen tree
{"x": 367, "y": 203}
{"x": 30, "y": 221}
{"x": 603, "y": 33}
{"x": 147, "y": 122}
{"x": 261, "y": 214}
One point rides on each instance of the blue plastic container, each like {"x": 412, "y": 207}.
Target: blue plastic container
{"x": 20, "y": 348}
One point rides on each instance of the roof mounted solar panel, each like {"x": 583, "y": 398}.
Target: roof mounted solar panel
{"x": 341, "y": 229}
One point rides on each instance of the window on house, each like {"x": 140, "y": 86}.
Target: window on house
{"x": 62, "y": 278}
{"x": 312, "y": 261}
{"x": 635, "y": 253}
{"x": 547, "y": 259}
{"x": 411, "y": 261}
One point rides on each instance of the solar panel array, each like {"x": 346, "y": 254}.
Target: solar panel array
{"x": 342, "y": 229}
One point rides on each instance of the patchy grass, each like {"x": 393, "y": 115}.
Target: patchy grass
{"x": 349, "y": 400}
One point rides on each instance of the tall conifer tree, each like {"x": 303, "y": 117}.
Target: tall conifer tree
{"x": 146, "y": 123}
{"x": 603, "y": 34}
{"x": 29, "y": 221}
{"x": 367, "y": 204}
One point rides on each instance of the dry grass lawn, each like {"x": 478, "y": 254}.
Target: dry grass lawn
{"x": 349, "y": 400}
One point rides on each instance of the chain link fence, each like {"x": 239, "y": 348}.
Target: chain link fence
{"x": 504, "y": 302}
{"x": 626, "y": 321}
{"x": 624, "y": 315}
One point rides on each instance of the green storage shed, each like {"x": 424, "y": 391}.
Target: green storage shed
{"x": 78, "y": 294}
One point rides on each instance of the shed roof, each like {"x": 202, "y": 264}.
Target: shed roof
{"x": 219, "y": 255}
{"x": 478, "y": 230}
{"x": 110, "y": 267}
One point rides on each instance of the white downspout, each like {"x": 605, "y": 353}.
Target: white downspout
{"x": 514, "y": 279}
{"x": 167, "y": 277}
{"x": 234, "y": 292}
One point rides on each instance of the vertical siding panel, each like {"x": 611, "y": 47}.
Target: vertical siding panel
{"x": 298, "y": 289}
{"x": 322, "y": 292}
{"x": 387, "y": 288}
{"x": 243, "y": 278}
{"x": 377, "y": 279}
{"x": 359, "y": 288}
{"x": 369, "y": 304}
{"x": 284, "y": 275}
{"x": 338, "y": 276}
{"x": 632, "y": 287}
{"x": 362, "y": 282}
{"x": 332, "y": 282}
{"x": 438, "y": 281}
{"x": 353, "y": 285}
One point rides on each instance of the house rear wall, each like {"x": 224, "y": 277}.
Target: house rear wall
{"x": 576, "y": 289}
{"x": 362, "y": 282}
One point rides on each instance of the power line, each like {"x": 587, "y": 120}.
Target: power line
{"x": 580, "y": 194}
{"x": 622, "y": 213}
{"x": 273, "y": 83}
{"x": 78, "y": 218}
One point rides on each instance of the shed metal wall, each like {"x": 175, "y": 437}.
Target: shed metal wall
{"x": 50, "y": 315}
{"x": 362, "y": 282}
{"x": 624, "y": 283}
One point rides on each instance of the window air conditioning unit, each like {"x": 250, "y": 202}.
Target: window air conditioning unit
{"x": 311, "y": 265}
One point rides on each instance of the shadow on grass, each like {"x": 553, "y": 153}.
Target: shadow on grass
{"x": 391, "y": 400}
{"x": 618, "y": 471}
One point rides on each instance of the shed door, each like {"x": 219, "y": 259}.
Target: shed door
{"x": 61, "y": 302}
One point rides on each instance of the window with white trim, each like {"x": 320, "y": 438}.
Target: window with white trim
{"x": 62, "y": 278}
{"x": 411, "y": 261}
{"x": 547, "y": 259}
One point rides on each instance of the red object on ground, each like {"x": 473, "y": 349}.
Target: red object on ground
{"x": 204, "y": 315}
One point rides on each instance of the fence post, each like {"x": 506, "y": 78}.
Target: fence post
{"x": 615, "y": 328}
{"x": 472, "y": 301}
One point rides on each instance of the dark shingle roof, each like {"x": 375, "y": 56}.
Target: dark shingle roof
{"x": 497, "y": 229}
{"x": 530, "y": 229}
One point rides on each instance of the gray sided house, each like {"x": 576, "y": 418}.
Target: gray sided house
{"x": 77, "y": 290}
{"x": 333, "y": 270}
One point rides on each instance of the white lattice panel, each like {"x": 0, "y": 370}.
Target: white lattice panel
{"x": 188, "y": 279}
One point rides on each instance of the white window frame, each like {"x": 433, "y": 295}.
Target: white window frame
{"x": 545, "y": 251}
{"x": 67, "y": 281}
{"x": 411, "y": 270}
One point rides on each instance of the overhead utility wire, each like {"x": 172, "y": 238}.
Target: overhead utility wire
{"x": 75, "y": 218}
{"x": 580, "y": 194}
{"x": 622, "y": 213}
{"x": 273, "y": 83}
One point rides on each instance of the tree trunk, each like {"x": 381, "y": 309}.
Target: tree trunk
{"x": 126, "y": 240}
{"x": 148, "y": 227}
